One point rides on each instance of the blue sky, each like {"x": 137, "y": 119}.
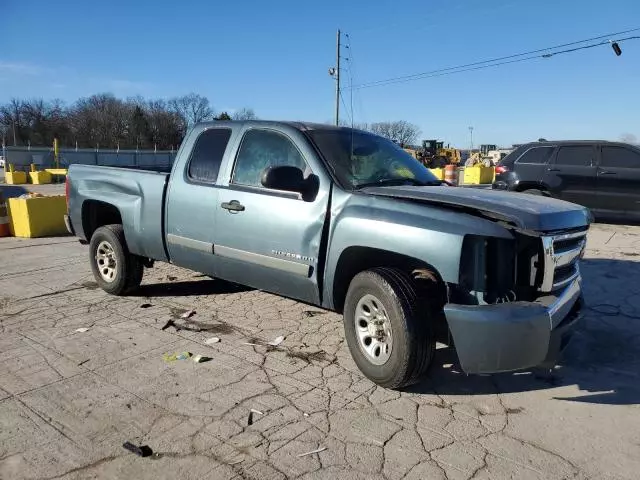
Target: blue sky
{"x": 273, "y": 57}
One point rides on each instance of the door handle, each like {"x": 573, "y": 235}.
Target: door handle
{"x": 233, "y": 206}
{"x": 606, "y": 172}
{"x": 553, "y": 170}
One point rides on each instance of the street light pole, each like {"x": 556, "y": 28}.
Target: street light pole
{"x": 338, "y": 78}
{"x": 471, "y": 134}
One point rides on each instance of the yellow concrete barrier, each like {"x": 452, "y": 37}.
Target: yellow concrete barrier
{"x": 37, "y": 216}
{"x": 40, "y": 178}
{"x": 11, "y": 177}
{"x": 479, "y": 175}
{"x": 438, "y": 172}
{"x": 56, "y": 171}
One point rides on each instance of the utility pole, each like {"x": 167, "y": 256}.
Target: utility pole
{"x": 338, "y": 77}
{"x": 471, "y": 133}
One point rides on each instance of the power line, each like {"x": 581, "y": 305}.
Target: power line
{"x": 518, "y": 57}
{"x": 346, "y": 109}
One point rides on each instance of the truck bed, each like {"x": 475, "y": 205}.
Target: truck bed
{"x": 137, "y": 194}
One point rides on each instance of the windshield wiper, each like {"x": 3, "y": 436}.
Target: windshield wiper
{"x": 390, "y": 182}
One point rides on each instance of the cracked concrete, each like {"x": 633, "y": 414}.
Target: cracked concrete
{"x": 69, "y": 400}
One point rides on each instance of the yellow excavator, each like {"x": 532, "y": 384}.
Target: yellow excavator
{"x": 434, "y": 154}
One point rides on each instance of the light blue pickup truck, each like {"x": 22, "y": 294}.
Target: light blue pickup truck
{"x": 348, "y": 221}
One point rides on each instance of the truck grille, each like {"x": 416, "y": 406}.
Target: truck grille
{"x": 561, "y": 256}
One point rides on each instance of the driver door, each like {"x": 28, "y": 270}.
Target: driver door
{"x": 269, "y": 239}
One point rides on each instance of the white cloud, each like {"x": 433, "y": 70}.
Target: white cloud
{"x": 20, "y": 68}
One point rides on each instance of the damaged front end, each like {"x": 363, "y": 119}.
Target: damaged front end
{"x": 516, "y": 299}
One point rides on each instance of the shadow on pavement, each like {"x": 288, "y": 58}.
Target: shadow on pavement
{"x": 602, "y": 359}
{"x": 190, "y": 288}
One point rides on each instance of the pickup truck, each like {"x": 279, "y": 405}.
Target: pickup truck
{"x": 348, "y": 221}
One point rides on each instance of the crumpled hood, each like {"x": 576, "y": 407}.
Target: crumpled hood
{"x": 529, "y": 212}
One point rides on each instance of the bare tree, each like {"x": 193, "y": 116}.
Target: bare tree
{"x": 105, "y": 121}
{"x": 11, "y": 116}
{"x": 628, "y": 138}
{"x": 193, "y": 108}
{"x": 244, "y": 114}
{"x": 400, "y": 131}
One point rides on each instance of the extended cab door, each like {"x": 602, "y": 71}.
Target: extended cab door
{"x": 192, "y": 199}
{"x": 618, "y": 179}
{"x": 270, "y": 239}
{"x": 571, "y": 176}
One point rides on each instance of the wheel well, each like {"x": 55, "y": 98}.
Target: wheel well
{"x": 96, "y": 214}
{"x": 354, "y": 260}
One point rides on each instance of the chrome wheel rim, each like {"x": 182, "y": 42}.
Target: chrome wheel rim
{"x": 106, "y": 261}
{"x": 373, "y": 330}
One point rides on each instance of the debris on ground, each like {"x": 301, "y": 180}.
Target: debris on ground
{"x": 176, "y": 356}
{"x": 83, "y": 362}
{"x": 141, "y": 451}
{"x": 251, "y": 413}
{"x": 317, "y": 450}
{"x": 312, "y": 313}
{"x": 169, "y": 323}
{"x": 276, "y": 341}
{"x": 201, "y": 359}
{"x": 212, "y": 340}
{"x": 171, "y": 278}
{"x": 305, "y": 414}
{"x": 251, "y": 343}
{"x": 82, "y": 329}
{"x": 146, "y": 305}
{"x": 188, "y": 314}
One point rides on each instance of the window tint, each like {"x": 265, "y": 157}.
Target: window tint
{"x": 580, "y": 156}
{"x": 207, "y": 154}
{"x": 261, "y": 149}
{"x": 536, "y": 155}
{"x": 620, "y": 157}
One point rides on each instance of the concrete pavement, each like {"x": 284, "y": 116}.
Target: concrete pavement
{"x": 68, "y": 400}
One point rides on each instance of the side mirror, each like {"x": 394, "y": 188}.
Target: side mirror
{"x": 290, "y": 179}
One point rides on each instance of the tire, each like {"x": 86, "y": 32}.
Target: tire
{"x": 125, "y": 273}
{"x": 409, "y": 315}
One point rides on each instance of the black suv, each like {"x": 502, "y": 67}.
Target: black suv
{"x": 603, "y": 176}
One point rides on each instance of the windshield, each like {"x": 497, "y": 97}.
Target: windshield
{"x": 362, "y": 159}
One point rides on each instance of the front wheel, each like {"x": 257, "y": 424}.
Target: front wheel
{"x": 116, "y": 271}
{"x": 388, "y": 327}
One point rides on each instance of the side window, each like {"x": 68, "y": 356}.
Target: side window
{"x": 207, "y": 154}
{"x": 536, "y": 155}
{"x": 261, "y": 149}
{"x": 578, "y": 156}
{"x": 620, "y": 157}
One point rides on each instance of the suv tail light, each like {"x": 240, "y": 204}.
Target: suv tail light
{"x": 501, "y": 169}
{"x": 67, "y": 189}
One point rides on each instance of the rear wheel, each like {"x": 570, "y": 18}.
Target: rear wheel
{"x": 115, "y": 270}
{"x": 388, "y": 327}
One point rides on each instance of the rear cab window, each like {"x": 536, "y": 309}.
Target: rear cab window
{"x": 207, "y": 154}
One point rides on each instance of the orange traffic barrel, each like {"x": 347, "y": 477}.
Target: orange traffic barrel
{"x": 4, "y": 218}
{"x": 451, "y": 174}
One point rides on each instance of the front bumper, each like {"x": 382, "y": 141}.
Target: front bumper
{"x": 514, "y": 336}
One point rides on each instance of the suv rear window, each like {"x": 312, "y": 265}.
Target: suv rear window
{"x": 536, "y": 155}
{"x": 579, "y": 155}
